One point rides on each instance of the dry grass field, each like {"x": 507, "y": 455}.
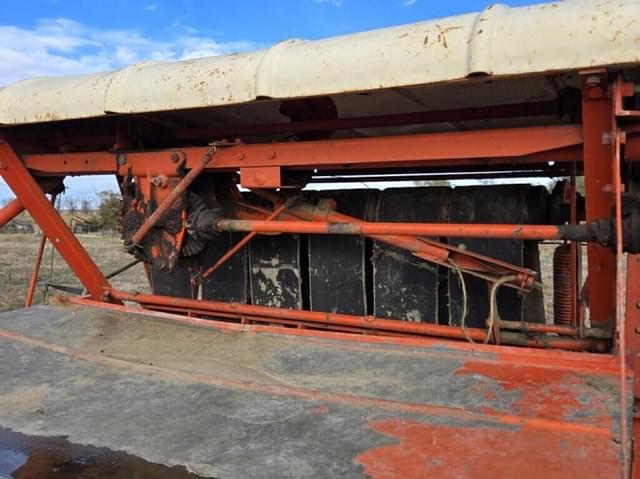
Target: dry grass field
{"x": 17, "y": 253}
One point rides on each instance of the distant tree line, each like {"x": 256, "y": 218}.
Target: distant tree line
{"x": 100, "y": 210}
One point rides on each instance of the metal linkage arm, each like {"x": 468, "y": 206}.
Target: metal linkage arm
{"x": 181, "y": 187}
{"x": 10, "y": 211}
{"x": 306, "y": 218}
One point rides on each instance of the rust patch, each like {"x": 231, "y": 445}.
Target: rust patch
{"x": 440, "y": 35}
{"x": 438, "y": 451}
{"x": 542, "y": 392}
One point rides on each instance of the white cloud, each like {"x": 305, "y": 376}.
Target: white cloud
{"x": 62, "y": 46}
{"x": 408, "y": 3}
{"x": 152, "y": 7}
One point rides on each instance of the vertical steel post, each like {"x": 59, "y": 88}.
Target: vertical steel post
{"x": 33, "y": 282}
{"x": 632, "y": 319}
{"x": 597, "y": 111}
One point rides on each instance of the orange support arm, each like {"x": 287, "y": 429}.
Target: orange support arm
{"x": 53, "y": 226}
{"x": 10, "y": 211}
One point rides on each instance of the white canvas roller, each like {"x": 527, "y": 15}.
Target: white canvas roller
{"x": 564, "y": 36}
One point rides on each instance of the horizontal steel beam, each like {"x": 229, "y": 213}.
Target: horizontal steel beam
{"x": 531, "y": 145}
{"x": 323, "y": 320}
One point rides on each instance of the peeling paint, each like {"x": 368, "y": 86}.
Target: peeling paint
{"x": 425, "y": 450}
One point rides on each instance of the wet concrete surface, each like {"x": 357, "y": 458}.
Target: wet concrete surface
{"x": 31, "y": 457}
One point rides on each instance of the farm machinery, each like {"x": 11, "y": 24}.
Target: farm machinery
{"x": 391, "y": 332}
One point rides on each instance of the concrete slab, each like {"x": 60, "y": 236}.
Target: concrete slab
{"x": 238, "y": 404}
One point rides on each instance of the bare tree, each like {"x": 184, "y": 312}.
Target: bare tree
{"x": 86, "y": 205}
{"x": 70, "y": 204}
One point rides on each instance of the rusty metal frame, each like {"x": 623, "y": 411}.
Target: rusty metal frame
{"x": 531, "y": 145}
{"x": 33, "y": 198}
{"x": 597, "y": 113}
{"x": 33, "y": 281}
{"x": 10, "y": 211}
{"x": 596, "y": 142}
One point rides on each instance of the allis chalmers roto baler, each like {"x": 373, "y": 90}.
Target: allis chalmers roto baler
{"x": 298, "y": 327}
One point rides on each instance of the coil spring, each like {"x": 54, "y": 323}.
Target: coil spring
{"x": 564, "y": 297}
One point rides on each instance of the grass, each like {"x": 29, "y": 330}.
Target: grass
{"x": 18, "y": 255}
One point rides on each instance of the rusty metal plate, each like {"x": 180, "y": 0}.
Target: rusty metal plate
{"x": 274, "y": 271}
{"x": 337, "y": 269}
{"x": 176, "y": 282}
{"x": 231, "y": 281}
{"x": 233, "y": 401}
{"x": 497, "y": 204}
{"x": 406, "y": 287}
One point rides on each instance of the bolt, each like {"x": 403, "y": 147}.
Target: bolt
{"x": 637, "y": 330}
{"x": 240, "y": 156}
{"x": 175, "y": 157}
{"x": 259, "y": 179}
{"x": 637, "y": 304}
{"x": 159, "y": 181}
{"x": 271, "y": 155}
{"x": 58, "y": 240}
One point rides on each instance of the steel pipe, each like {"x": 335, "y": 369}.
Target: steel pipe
{"x": 560, "y": 329}
{"x": 364, "y": 323}
{"x": 523, "y": 232}
{"x": 33, "y": 281}
{"x": 240, "y": 244}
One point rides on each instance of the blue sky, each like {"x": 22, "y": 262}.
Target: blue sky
{"x": 64, "y": 37}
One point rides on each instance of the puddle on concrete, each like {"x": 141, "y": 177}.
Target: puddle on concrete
{"x": 31, "y": 457}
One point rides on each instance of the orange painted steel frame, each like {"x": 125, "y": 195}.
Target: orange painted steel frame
{"x": 10, "y": 211}
{"x": 521, "y": 146}
{"x": 596, "y": 142}
{"x": 53, "y": 226}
